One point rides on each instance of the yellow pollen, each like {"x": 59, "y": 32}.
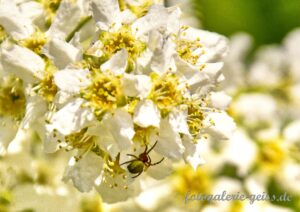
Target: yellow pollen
{"x": 123, "y": 38}
{"x": 35, "y": 42}
{"x": 195, "y": 119}
{"x": 79, "y": 140}
{"x": 104, "y": 94}
{"x": 46, "y": 87}
{"x": 271, "y": 154}
{"x": 186, "y": 50}
{"x": 12, "y": 98}
{"x": 165, "y": 92}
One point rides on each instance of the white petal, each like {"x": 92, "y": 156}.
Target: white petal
{"x": 105, "y": 140}
{"x": 72, "y": 80}
{"x": 292, "y": 131}
{"x": 192, "y": 153}
{"x": 22, "y": 62}
{"x": 220, "y": 100}
{"x": 146, "y": 114}
{"x": 84, "y": 172}
{"x": 8, "y": 130}
{"x": 67, "y": 17}
{"x": 214, "y": 45}
{"x": 169, "y": 142}
{"x": 161, "y": 170}
{"x": 117, "y": 64}
{"x": 136, "y": 85}
{"x": 35, "y": 108}
{"x": 223, "y": 127}
{"x": 178, "y": 120}
{"x": 173, "y": 24}
{"x": 61, "y": 52}
{"x": 32, "y": 10}
{"x": 14, "y": 22}
{"x": 121, "y": 128}
{"x": 95, "y": 49}
{"x": 163, "y": 56}
{"x": 156, "y": 17}
{"x": 105, "y": 11}
{"x": 240, "y": 144}
{"x": 52, "y": 141}
{"x": 112, "y": 189}
{"x": 72, "y": 117}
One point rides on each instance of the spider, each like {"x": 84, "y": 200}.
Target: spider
{"x": 141, "y": 163}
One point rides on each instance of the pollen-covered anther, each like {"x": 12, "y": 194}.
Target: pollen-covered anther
{"x": 79, "y": 141}
{"x": 123, "y": 38}
{"x": 166, "y": 92}
{"x": 35, "y": 42}
{"x": 104, "y": 94}
{"x": 46, "y": 86}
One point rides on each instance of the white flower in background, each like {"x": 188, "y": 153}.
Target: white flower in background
{"x": 270, "y": 63}
{"x": 235, "y": 68}
{"x": 188, "y": 16}
{"x": 136, "y": 99}
{"x": 255, "y": 108}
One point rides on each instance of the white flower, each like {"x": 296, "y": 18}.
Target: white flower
{"x": 22, "y": 62}
{"x": 129, "y": 99}
{"x": 15, "y": 23}
{"x": 246, "y": 106}
{"x": 146, "y": 114}
{"x": 71, "y": 118}
{"x": 85, "y": 172}
{"x": 220, "y": 125}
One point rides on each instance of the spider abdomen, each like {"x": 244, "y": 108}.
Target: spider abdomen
{"x": 136, "y": 167}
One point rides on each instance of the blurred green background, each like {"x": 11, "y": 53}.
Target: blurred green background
{"x": 268, "y": 21}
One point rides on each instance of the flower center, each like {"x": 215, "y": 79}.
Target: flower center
{"x": 35, "y": 42}
{"x": 46, "y": 87}
{"x": 80, "y": 141}
{"x": 165, "y": 92}
{"x": 186, "y": 179}
{"x": 3, "y": 34}
{"x": 104, "y": 94}
{"x": 12, "y": 98}
{"x": 122, "y": 38}
{"x": 196, "y": 115}
{"x": 189, "y": 50}
{"x": 272, "y": 154}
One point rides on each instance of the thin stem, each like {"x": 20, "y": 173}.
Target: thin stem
{"x": 78, "y": 27}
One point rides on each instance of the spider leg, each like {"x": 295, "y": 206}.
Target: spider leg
{"x": 137, "y": 175}
{"x": 128, "y": 162}
{"x": 152, "y": 147}
{"x": 153, "y": 164}
{"x": 132, "y": 156}
{"x": 149, "y": 160}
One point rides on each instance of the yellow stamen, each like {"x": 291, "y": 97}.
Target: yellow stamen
{"x": 165, "y": 92}
{"x": 104, "y": 94}
{"x": 12, "y": 98}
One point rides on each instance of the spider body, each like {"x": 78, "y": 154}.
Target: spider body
{"x": 141, "y": 163}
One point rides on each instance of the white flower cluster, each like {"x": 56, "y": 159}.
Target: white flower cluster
{"x": 262, "y": 156}
{"x": 121, "y": 84}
